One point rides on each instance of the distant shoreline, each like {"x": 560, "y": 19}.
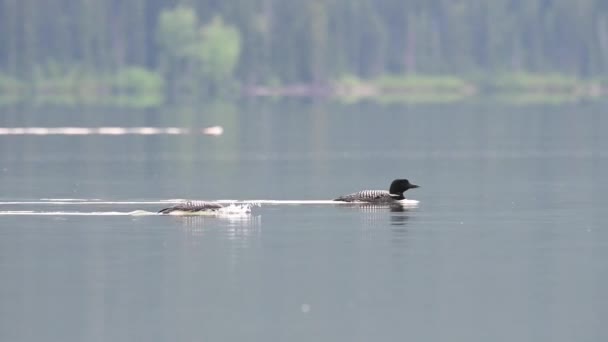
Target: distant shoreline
{"x": 149, "y": 91}
{"x": 438, "y": 89}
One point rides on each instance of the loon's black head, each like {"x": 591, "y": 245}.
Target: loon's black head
{"x": 398, "y": 186}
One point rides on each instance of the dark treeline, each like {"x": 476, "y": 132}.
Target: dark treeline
{"x": 312, "y": 41}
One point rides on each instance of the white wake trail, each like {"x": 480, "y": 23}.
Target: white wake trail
{"x": 232, "y": 208}
{"x": 76, "y": 213}
{"x": 404, "y": 202}
{"x": 86, "y": 202}
{"x": 170, "y": 201}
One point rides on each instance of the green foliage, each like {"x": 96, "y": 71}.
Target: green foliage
{"x": 305, "y": 41}
{"x": 408, "y": 89}
{"x": 137, "y": 87}
{"x": 529, "y": 88}
{"x": 9, "y": 84}
{"x": 220, "y": 50}
{"x": 210, "y": 47}
{"x": 11, "y": 90}
{"x": 137, "y": 80}
{"x": 349, "y": 82}
{"x": 177, "y": 33}
{"x": 536, "y": 82}
{"x": 194, "y": 57}
{"x": 55, "y": 84}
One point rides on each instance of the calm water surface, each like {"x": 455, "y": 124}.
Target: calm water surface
{"x": 509, "y": 242}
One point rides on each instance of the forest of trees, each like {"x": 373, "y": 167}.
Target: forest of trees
{"x": 211, "y": 43}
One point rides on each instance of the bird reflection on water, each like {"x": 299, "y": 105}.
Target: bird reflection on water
{"x": 375, "y": 214}
{"x": 399, "y": 215}
{"x": 384, "y": 223}
{"x": 399, "y": 218}
{"x": 232, "y": 227}
{"x": 233, "y": 235}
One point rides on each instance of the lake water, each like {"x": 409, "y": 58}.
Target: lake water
{"x": 509, "y": 241}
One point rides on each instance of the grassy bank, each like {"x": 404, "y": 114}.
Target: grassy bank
{"x": 136, "y": 87}
{"x": 416, "y": 89}
{"x": 10, "y": 90}
{"x": 129, "y": 87}
{"x": 513, "y": 88}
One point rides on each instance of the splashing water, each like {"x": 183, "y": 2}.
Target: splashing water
{"x": 233, "y": 210}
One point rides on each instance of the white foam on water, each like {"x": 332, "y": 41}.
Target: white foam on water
{"x": 404, "y": 202}
{"x": 278, "y": 202}
{"x": 176, "y": 131}
{"x": 72, "y": 131}
{"x": 232, "y": 210}
{"x": 92, "y": 130}
{"x": 70, "y": 199}
{"x": 76, "y": 213}
{"x": 409, "y": 202}
{"x": 84, "y": 201}
{"x": 79, "y": 201}
{"x": 235, "y": 208}
{"x": 112, "y": 130}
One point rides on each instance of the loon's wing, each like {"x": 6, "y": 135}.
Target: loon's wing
{"x": 192, "y": 206}
{"x": 365, "y": 196}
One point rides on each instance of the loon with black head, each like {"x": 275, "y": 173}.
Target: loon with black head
{"x": 192, "y": 207}
{"x": 395, "y": 193}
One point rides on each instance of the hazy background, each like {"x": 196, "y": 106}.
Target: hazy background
{"x": 149, "y": 52}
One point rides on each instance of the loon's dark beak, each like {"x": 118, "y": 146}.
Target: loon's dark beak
{"x": 414, "y": 186}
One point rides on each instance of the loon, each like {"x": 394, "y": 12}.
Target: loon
{"x": 395, "y": 193}
{"x": 192, "y": 207}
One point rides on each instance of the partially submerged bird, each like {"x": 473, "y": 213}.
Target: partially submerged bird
{"x": 394, "y": 194}
{"x": 192, "y": 207}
